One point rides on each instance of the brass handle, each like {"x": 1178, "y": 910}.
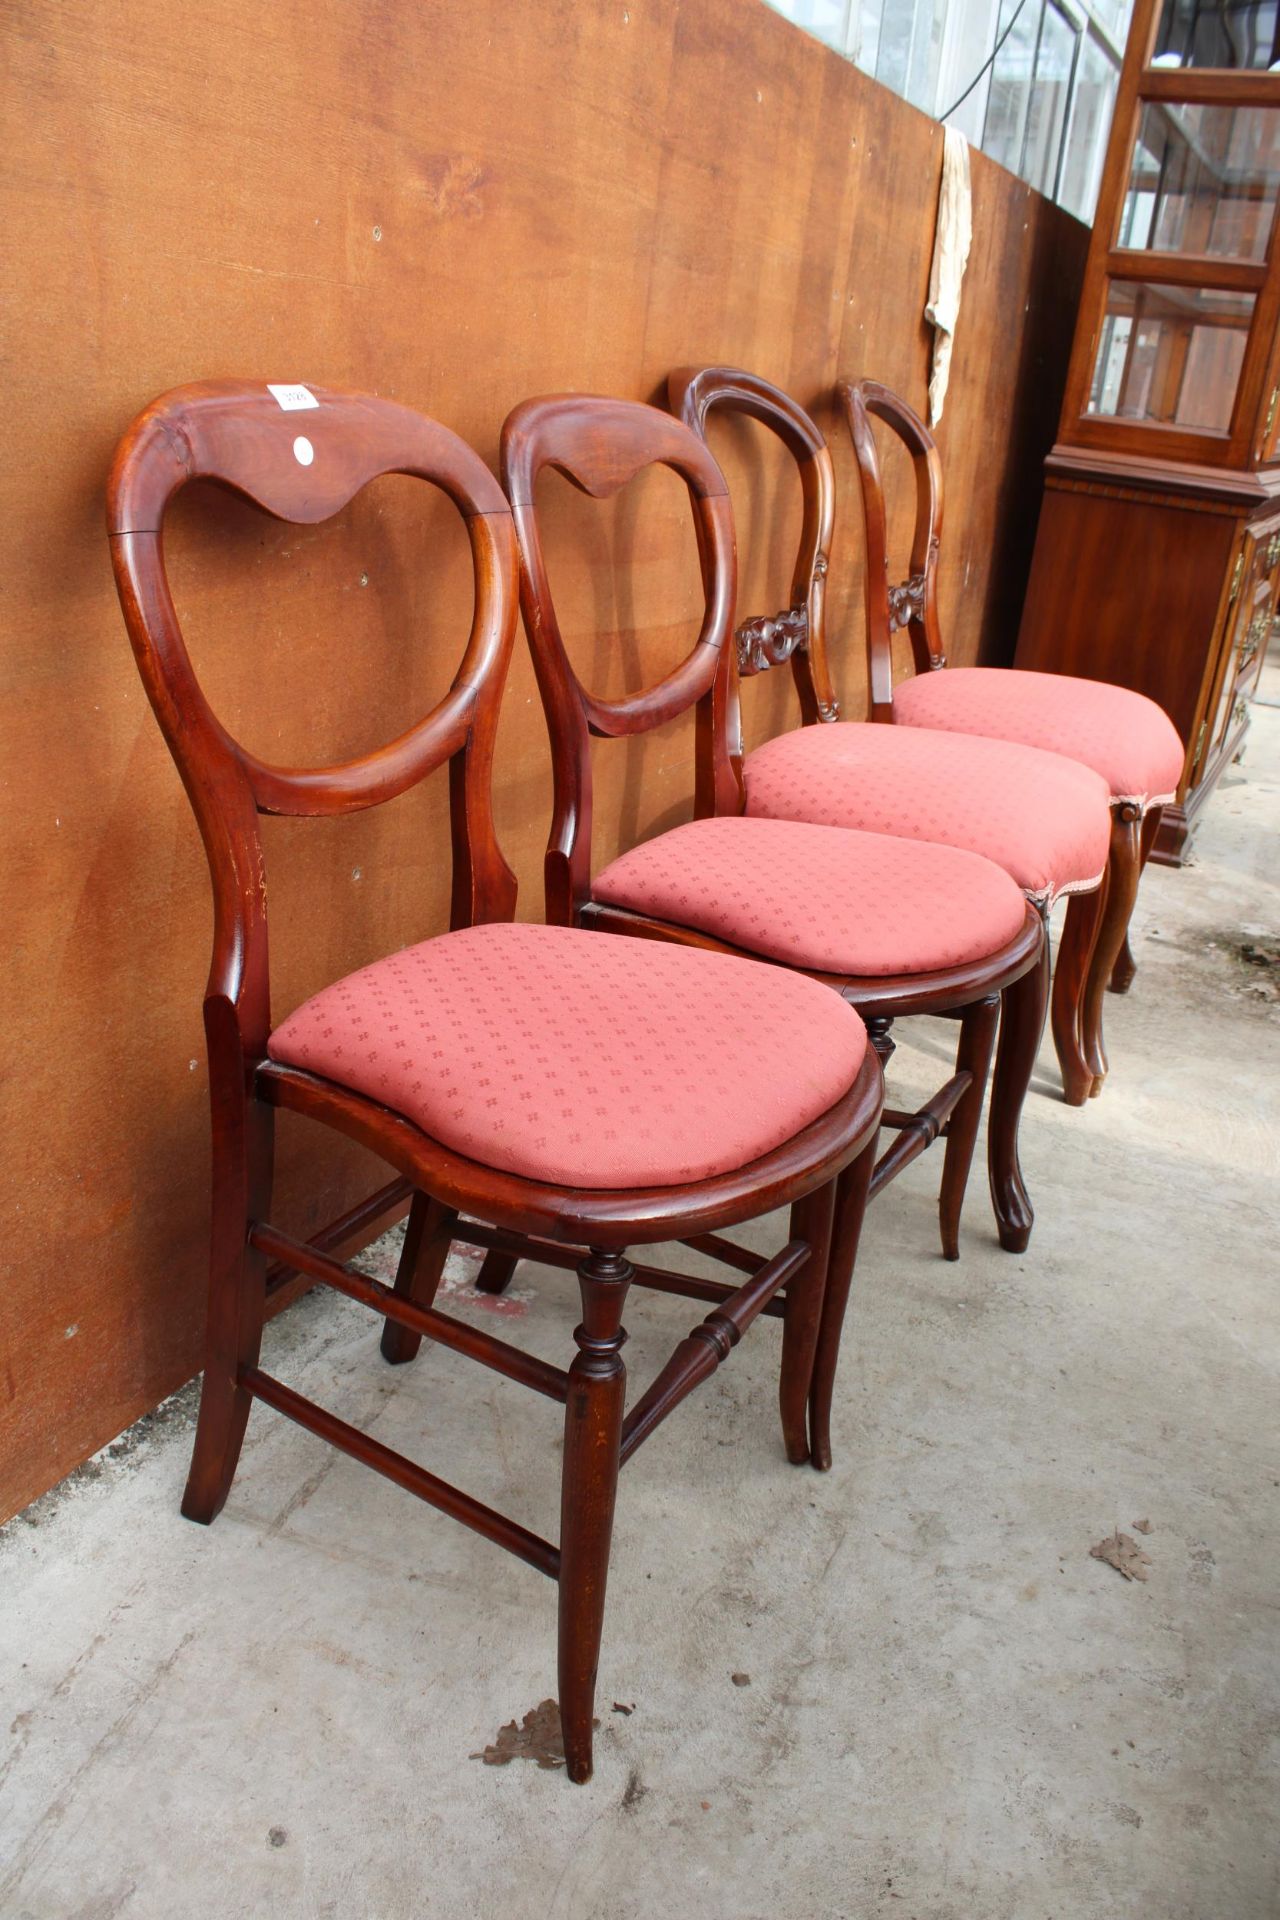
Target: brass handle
{"x": 1254, "y": 635}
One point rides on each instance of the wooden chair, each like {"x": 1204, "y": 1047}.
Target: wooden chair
{"x": 896, "y": 927}
{"x": 634, "y": 1106}
{"x": 1041, "y": 817}
{"x": 1126, "y": 738}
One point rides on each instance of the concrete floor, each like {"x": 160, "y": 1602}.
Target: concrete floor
{"x": 953, "y": 1712}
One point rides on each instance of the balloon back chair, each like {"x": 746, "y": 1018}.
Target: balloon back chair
{"x": 565, "y": 1091}
{"x": 896, "y": 927}
{"x": 1043, "y": 818}
{"x": 1126, "y": 738}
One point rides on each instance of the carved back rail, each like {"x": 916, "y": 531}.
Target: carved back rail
{"x": 599, "y": 445}
{"x": 798, "y": 633}
{"x": 303, "y": 466}
{"x": 913, "y": 603}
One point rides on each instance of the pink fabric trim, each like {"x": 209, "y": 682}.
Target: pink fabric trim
{"x": 584, "y": 1059}
{"x": 1126, "y": 738}
{"x": 849, "y": 903}
{"x": 1043, "y": 818}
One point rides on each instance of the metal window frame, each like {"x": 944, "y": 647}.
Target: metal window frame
{"x": 1115, "y": 61}
{"x": 1079, "y": 18}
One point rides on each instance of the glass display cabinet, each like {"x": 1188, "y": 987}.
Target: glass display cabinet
{"x": 1157, "y": 561}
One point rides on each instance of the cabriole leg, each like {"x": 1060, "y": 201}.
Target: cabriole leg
{"x": 1023, "y": 1006}
{"x": 427, "y": 1240}
{"x": 1124, "y": 869}
{"x": 850, "y": 1210}
{"x": 1084, "y": 912}
{"x": 977, "y": 1042}
{"x": 243, "y": 1157}
{"x": 592, "y": 1437}
{"x": 811, "y": 1220}
{"x": 1126, "y": 966}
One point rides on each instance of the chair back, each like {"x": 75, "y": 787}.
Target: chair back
{"x": 798, "y": 632}
{"x": 599, "y": 445}
{"x": 300, "y": 454}
{"x": 914, "y": 603}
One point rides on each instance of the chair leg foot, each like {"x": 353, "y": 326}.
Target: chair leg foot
{"x": 1126, "y": 967}
{"x": 220, "y": 1429}
{"x": 243, "y": 1163}
{"x": 977, "y": 1042}
{"x": 589, "y": 1486}
{"x": 850, "y": 1209}
{"x": 1084, "y": 911}
{"x": 811, "y": 1219}
{"x": 427, "y": 1239}
{"x": 1021, "y": 1024}
{"x": 1124, "y": 869}
{"x": 495, "y": 1272}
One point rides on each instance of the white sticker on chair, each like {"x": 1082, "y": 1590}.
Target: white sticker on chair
{"x": 292, "y": 399}
{"x": 303, "y": 451}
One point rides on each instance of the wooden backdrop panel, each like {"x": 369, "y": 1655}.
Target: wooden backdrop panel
{"x": 456, "y": 207}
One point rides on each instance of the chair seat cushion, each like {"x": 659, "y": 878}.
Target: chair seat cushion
{"x": 1122, "y": 735}
{"x": 850, "y": 903}
{"x": 1045, "y": 819}
{"x": 583, "y": 1059}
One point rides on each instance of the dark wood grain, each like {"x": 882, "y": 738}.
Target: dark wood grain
{"x": 1097, "y": 931}
{"x": 1149, "y": 567}
{"x": 695, "y": 394}
{"x": 236, "y": 435}
{"x": 459, "y": 206}
{"x": 561, "y": 430}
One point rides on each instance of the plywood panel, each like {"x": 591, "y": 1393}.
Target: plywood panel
{"x": 456, "y": 206}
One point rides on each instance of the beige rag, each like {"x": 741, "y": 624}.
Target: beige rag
{"x": 950, "y": 252}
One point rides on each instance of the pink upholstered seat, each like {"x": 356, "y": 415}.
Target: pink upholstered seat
{"x": 1122, "y": 735}
{"x": 580, "y": 1059}
{"x": 1045, "y": 819}
{"x": 821, "y": 897}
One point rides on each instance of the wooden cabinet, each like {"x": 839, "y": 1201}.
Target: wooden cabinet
{"x": 1247, "y": 631}
{"x": 1157, "y": 561}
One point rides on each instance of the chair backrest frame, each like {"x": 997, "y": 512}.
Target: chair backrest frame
{"x": 600, "y": 444}
{"x": 913, "y": 603}
{"x": 796, "y": 634}
{"x": 302, "y": 467}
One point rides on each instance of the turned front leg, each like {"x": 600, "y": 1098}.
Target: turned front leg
{"x": 589, "y": 1485}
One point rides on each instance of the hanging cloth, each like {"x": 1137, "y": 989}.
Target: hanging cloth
{"x": 950, "y": 252}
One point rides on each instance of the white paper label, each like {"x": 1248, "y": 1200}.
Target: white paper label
{"x": 292, "y": 399}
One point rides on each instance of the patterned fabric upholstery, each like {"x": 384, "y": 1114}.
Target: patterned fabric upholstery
{"x": 1044, "y": 819}
{"x": 1122, "y": 735}
{"x": 821, "y": 897}
{"x": 580, "y": 1058}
